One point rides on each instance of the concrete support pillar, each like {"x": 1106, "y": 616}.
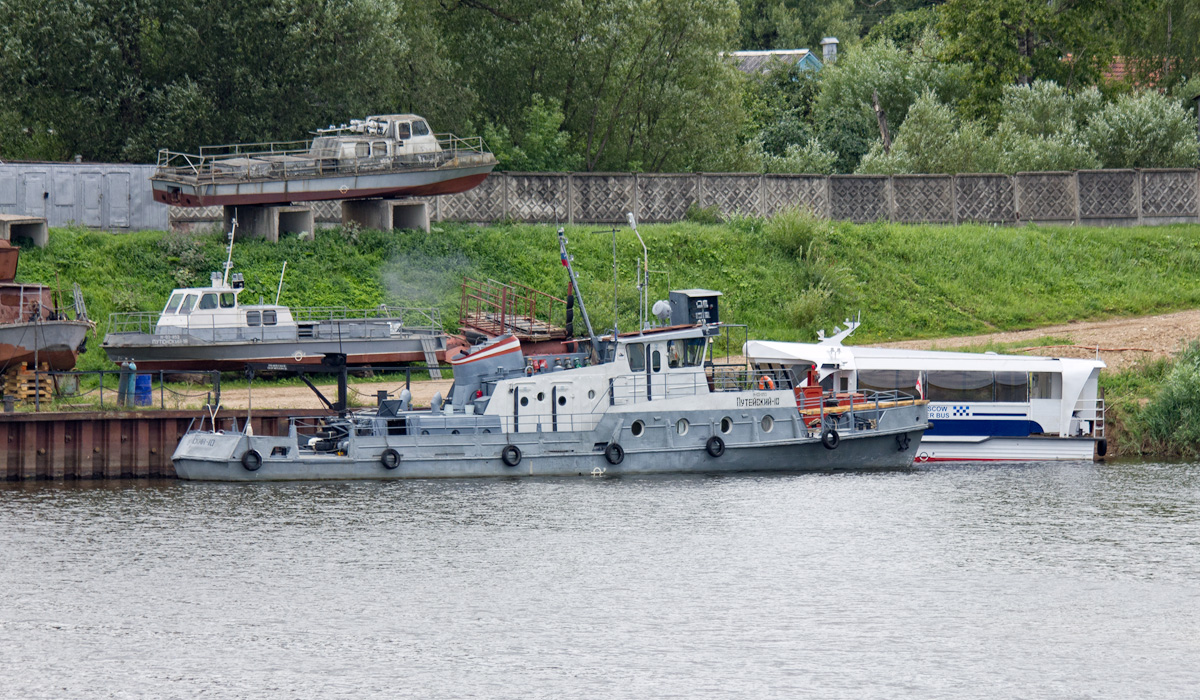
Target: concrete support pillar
{"x": 386, "y": 214}
{"x": 269, "y": 221}
{"x": 14, "y": 226}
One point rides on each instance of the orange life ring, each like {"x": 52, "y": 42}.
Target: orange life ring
{"x": 765, "y": 383}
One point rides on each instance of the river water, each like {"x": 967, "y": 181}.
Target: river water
{"x": 1069, "y": 580}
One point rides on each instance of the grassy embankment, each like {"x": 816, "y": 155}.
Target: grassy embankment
{"x": 785, "y": 278}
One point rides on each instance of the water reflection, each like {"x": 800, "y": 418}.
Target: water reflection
{"x": 1047, "y": 580}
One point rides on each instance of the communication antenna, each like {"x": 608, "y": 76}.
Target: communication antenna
{"x": 643, "y": 282}
{"x": 280, "y": 290}
{"x": 229, "y": 257}
{"x": 566, "y": 261}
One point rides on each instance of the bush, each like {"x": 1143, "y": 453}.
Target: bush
{"x": 1145, "y": 130}
{"x": 1171, "y": 420}
{"x": 812, "y": 157}
{"x": 934, "y": 141}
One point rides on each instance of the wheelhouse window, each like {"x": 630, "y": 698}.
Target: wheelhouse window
{"x": 1012, "y": 387}
{"x": 379, "y": 149}
{"x": 362, "y": 150}
{"x": 269, "y": 318}
{"x": 228, "y": 300}
{"x": 688, "y": 352}
{"x": 420, "y": 128}
{"x": 960, "y": 386}
{"x": 208, "y": 301}
{"x": 1042, "y": 386}
{"x": 403, "y": 130}
{"x": 188, "y": 302}
{"x": 253, "y": 318}
{"x": 888, "y": 380}
{"x": 173, "y": 304}
{"x": 637, "y": 357}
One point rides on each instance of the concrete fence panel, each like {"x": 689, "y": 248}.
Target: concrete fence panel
{"x": 1168, "y": 196}
{"x": 482, "y": 204}
{"x": 665, "y": 197}
{"x": 805, "y": 191}
{"x": 539, "y": 197}
{"x": 1108, "y": 197}
{"x": 1046, "y": 197}
{"x": 923, "y": 199}
{"x": 732, "y": 193}
{"x": 859, "y": 198}
{"x": 602, "y": 197}
{"x": 984, "y": 197}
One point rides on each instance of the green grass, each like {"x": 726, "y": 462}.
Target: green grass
{"x": 786, "y": 278}
{"x": 1155, "y": 406}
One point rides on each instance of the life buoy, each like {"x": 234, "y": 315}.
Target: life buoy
{"x": 614, "y": 453}
{"x": 251, "y": 460}
{"x": 390, "y": 459}
{"x": 830, "y": 439}
{"x": 715, "y": 446}
{"x": 765, "y": 383}
{"x": 511, "y": 455}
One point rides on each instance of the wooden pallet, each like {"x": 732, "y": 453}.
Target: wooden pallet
{"x": 27, "y": 386}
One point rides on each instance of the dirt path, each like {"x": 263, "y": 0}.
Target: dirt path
{"x": 1122, "y": 341}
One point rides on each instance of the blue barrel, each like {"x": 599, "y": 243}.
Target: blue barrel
{"x": 141, "y": 392}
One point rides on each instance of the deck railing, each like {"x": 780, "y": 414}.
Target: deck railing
{"x": 414, "y": 319}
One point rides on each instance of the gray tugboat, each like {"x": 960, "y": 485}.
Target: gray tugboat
{"x": 644, "y": 402}
{"x": 208, "y": 328}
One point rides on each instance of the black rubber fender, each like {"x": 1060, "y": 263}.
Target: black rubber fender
{"x": 390, "y": 459}
{"x": 510, "y": 455}
{"x": 1102, "y": 447}
{"x": 830, "y": 439}
{"x": 614, "y": 453}
{"x": 715, "y": 446}
{"x": 251, "y": 460}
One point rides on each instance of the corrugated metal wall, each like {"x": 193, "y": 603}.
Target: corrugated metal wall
{"x": 116, "y": 197}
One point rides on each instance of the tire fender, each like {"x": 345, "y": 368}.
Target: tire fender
{"x": 830, "y": 439}
{"x": 614, "y": 453}
{"x": 251, "y": 460}
{"x": 715, "y": 446}
{"x": 510, "y": 455}
{"x": 390, "y": 459}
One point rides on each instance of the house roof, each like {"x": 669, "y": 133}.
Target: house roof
{"x": 763, "y": 61}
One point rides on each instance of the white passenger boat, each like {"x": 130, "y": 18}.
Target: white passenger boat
{"x": 982, "y": 406}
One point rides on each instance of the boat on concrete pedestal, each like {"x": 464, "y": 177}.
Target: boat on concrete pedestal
{"x": 390, "y": 155}
{"x": 650, "y": 401}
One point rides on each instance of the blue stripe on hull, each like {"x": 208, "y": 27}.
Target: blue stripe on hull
{"x": 982, "y": 428}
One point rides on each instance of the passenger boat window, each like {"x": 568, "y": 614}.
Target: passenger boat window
{"x": 960, "y": 386}
{"x": 228, "y": 300}
{"x": 1012, "y": 386}
{"x": 269, "y": 318}
{"x": 637, "y": 357}
{"x": 1041, "y": 386}
{"x": 379, "y": 149}
{"x": 208, "y": 301}
{"x": 420, "y": 128}
{"x": 173, "y": 304}
{"x": 402, "y": 131}
{"x": 253, "y": 318}
{"x": 362, "y": 150}
{"x": 888, "y": 380}
{"x": 188, "y": 302}
{"x": 656, "y": 361}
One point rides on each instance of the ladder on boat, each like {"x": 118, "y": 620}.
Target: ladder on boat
{"x": 429, "y": 347}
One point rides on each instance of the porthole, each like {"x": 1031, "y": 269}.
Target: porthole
{"x": 768, "y": 423}
{"x": 524, "y": 400}
{"x": 726, "y": 425}
{"x": 591, "y": 394}
{"x": 541, "y": 396}
{"x": 637, "y": 428}
{"x": 562, "y": 401}
{"x": 682, "y": 426}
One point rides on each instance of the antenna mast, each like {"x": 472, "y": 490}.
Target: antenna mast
{"x": 566, "y": 261}
{"x": 229, "y": 257}
{"x": 643, "y": 284}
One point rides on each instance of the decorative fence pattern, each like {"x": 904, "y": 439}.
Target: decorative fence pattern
{"x": 1089, "y": 197}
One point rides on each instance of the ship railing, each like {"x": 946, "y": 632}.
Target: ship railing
{"x": 496, "y": 308}
{"x": 416, "y": 318}
{"x": 133, "y": 322}
{"x": 284, "y": 159}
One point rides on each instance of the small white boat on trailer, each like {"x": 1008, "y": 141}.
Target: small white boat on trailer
{"x": 982, "y": 406}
